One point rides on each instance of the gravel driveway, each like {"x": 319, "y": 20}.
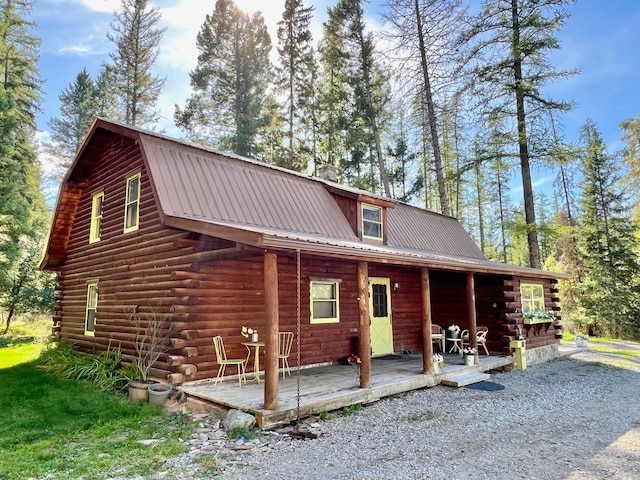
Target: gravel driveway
{"x": 576, "y": 417}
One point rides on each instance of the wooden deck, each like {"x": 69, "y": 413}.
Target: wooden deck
{"x": 332, "y": 387}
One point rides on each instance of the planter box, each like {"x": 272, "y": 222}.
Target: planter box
{"x": 533, "y": 321}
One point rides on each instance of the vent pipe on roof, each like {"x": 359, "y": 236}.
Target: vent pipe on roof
{"x": 328, "y": 172}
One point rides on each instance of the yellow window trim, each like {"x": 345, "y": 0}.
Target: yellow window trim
{"x": 130, "y": 202}
{"x": 92, "y": 304}
{"x": 96, "y": 217}
{"x": 336, "y": 284}
{"x": 531, "y": 296}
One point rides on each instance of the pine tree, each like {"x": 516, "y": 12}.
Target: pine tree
{"x": 21, "y": 203}
{"x": 631, "y": 138}
{"x": 354, "y": 95}
{"x": 513, "y": 40}
{"x": 230, "y": 81}
{"x": 78, "y": 109}
{"x": 295, "y": 79}
{"x": 137, "y": 37}
{"x": 609, "y": 287}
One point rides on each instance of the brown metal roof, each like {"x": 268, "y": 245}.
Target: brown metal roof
{"x": 221, "y": 194}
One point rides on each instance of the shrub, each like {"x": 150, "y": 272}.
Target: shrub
{"x": 102, "y": 370}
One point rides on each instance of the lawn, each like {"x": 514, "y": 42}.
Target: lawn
{"x": 60, "y": 429}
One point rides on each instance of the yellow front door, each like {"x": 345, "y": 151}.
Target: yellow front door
{"x": 380, "y": 313}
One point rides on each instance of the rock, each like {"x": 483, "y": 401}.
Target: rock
{"x": 237, "y": 419}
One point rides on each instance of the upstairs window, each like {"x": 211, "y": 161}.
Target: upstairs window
{"x": 96, "y": 217}
{"x": 324, "y": 301}
{"x": 532, "y": 295}
{"x": 371, "y": 222}
{"x": 132, "y": 204}
{"x": 92, "y": 307}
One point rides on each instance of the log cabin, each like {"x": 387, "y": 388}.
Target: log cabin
{"x": 209, "y": 242}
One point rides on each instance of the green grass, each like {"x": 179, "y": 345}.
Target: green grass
{"x": 62, "y": 429}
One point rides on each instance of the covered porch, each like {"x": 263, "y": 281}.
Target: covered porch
{"x": 331, "y": 387}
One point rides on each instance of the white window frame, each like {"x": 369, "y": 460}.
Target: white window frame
{"x": 132, "y": 203}
{"x": 92, "y": 307}
{"x": 334, "y": 300}
{"x": 97, "y": 206}
{"x": 364, "y": 207}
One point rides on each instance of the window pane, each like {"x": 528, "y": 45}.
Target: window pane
{"x": 372, "y": 229}
{"x": 324, "y": 309}
{"x": 324, "y": 291}
{"x": 132, "y": 215}
{"x": 132, "y": 189}
{"x": 379, "y": 300}
{"x": 372, "y": 214}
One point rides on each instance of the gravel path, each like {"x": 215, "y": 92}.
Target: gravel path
{"x": 576, "y": 417}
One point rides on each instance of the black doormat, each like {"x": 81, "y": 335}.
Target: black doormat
{"x": 485, "y": 386}
{"x": 397, "y": 358}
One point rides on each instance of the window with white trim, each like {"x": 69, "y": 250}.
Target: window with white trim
{"x": 325, "y": 297}
{"x": 96, "y": 217}
{"x": 132, "y": 204}
{"x": 371, "y": 221}
{"x": 92, "y": 308}
{"x": 532, "y": 297}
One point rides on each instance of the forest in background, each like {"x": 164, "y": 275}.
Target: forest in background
{"x": 444, "y": 108}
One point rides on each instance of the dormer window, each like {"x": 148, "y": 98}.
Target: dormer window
{"x": 371, "y": 222}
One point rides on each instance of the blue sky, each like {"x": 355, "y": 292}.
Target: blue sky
{"x": 601, "y": 39}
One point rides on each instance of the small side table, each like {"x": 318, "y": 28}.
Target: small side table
{"x": 256, "y": 357}
{"x": 457, "y": 345}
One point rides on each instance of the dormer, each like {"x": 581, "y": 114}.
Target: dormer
{"x": 367, "y": 214}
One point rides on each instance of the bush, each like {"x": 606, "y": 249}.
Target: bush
{"x": 102, "y": 370}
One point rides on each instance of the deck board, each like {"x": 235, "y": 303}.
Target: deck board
{"x": 331, "y": 387}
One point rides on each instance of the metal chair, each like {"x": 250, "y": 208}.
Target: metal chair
{"x": 437, "y": 336}
{"x": 285, "y": 341}
{"x": 223, "y": 361}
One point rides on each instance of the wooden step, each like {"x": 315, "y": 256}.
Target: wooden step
{"x": 465, "y": 379}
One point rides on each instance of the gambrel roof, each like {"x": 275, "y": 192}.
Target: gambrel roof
{"x": 227, "y": 196}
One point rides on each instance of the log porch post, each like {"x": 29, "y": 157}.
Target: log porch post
{"x": 365, "y": 323}
{"x": 471, "y": 314}
{"x": 271, "y": 335}
{"x": 427, "y": 344}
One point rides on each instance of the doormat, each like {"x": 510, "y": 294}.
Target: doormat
{"x": 485, "y": 386}
{"x": 397, "y": 358}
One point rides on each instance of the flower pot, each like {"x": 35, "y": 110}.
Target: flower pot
{"x": 254, "y": 337}
{"x": 159, "y": 393}
{"x": 138, "y": 391}
{"x": 438, "y": 368}
{"x": 469, "y": 360}
{"x": 454, "y": 334}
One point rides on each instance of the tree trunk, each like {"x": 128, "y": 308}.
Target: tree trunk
{"x": 523, "y": 148}
{"x": 433, "y": 127}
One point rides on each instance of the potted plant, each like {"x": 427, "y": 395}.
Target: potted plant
{"x": 469, "y": 355}
{"x": 438, "y": 363}
{"x": 151, "y": 341}
{"x": 454, "y": 331}
{"x": 250, "y": 332}
{"x": 538, "y": 316}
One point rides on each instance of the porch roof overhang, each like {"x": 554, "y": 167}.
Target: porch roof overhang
{"x": 274, "y": 239}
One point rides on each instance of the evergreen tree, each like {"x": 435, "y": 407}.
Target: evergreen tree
{"x": 78, "y": 109}
{"x": 136, "y": 37}
{"x": 20, "y": 94}
{"x": 609, "y": 287}
{"x": 631, "y": 137}
{"x": 295, "y": 79}
{"x": 230, "y": 81}
{"x": 353, "y": 76}
{"x": 513, "y": 41}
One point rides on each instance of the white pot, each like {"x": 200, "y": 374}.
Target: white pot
{"x": 469, "y": 360}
